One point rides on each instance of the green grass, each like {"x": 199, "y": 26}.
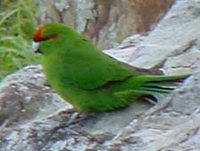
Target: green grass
{"x": 17, "y": 24}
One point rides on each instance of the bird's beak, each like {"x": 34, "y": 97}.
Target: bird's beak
{"x": 35, "y": 46}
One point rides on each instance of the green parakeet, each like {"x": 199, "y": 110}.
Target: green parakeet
{"x": 89, "y": 79}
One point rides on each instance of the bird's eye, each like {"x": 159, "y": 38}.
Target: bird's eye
{"x": 48, "y": 37}
{"x": 45, "y": 38}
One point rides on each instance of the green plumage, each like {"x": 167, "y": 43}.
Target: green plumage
{"x": 89, "y": 79}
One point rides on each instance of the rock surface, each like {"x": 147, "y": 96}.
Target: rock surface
{"x": 34, "y": 118}
{"x": 108, "y": 22}
{"x": 173, "y": 44}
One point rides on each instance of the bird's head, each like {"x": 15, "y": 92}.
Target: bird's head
{"x": 51, "y": 36}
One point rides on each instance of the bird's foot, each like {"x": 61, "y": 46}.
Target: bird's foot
{"x": 151, "y": 99}
{"x": 75, "y": 117}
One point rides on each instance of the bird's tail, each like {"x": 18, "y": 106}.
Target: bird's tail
{"x": 150, "y": 87}
{"x": 157, "y": 84}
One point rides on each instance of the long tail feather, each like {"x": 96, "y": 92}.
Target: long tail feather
{"x": 160, "y": 84}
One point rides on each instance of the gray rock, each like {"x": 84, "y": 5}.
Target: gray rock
{"x": 175, "y": 35}
{"x": 171, "y": 125}
{"x": 183, "y": 63}
{"x": 33, "y": 117}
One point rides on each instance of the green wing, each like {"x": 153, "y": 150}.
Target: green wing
{"x": 87, "y": 67}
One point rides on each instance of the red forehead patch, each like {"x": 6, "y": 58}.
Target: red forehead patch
{"x": 38, "y": 34}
